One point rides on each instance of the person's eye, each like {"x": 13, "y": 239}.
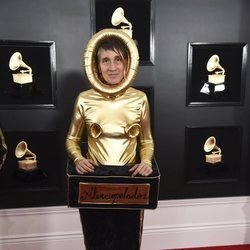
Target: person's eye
{"x": 105, "y": 60}
{"x": 118, "y": 59}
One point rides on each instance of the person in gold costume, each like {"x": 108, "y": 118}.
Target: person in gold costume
{"x": 117, "y": 120}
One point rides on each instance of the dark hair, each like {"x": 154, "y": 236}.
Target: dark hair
{"x": 115, "y": 44}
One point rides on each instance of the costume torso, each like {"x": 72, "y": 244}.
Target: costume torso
{"x": 114, "y": 127}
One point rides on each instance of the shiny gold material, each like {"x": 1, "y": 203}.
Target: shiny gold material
{"x": 30, "y": 162}
{"x": 216, "y": 79}
{"x": 133, "y": 130}
{"x": 95, "y": 130}
{"x": 218, "y": 76}
{"x": 118, "y": 18}
{"x": 115, "y": 116}
{"x": 17, "y": 62}
{"x": 5, "y": 149}
{"x": 91, "y": 68}
{"x": 215, "y": 152}
{"x": 116, "y": 145}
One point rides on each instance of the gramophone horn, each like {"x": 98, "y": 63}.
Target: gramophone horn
{"x": 22, "y": 150}
{"x": 213, "y": 63}
{"x": 16, "y": 61}
{"x": 209, "y": 144}
{"x": 118, "y": 17}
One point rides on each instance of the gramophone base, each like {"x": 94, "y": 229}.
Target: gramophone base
{"x": 22, "y": 78}
{"x": 216, "y": 78}
{"x": 27, "y": 165}
{"x": 213, "y": 158}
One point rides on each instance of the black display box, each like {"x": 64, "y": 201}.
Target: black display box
{"x": 112, "y": 187}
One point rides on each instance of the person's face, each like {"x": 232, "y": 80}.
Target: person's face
{"x": 111, "y": 66}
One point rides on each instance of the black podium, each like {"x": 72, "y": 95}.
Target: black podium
{"x": 112, "y": 187}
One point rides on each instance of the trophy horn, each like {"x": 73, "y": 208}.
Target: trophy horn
{"x": 22, "y": 150}
{"x": 213, "y": 63}
{"x": 210, "y": 146}
{"x": 16, "y": 61}
{"x": 118, "y": 17}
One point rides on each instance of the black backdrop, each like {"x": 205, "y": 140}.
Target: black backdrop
{"x": 176, "y": 23}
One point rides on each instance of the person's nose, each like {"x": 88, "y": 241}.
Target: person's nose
{"x": 112, "y": 66}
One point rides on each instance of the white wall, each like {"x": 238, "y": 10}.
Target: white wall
{"x": 175, "y": 223}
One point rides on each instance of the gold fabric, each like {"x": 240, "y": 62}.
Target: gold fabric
{"x": 116, "y": 128}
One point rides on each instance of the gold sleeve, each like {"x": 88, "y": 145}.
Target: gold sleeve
{"x": 146, "y": 144}
{"x": 73, "y": 139}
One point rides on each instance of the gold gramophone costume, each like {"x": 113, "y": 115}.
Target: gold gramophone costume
{"x": 117, "y": 120}
{"x": 116, "y": 117}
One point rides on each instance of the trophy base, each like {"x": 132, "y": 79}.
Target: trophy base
{"x": 216, "y": 78}
{"x": 213, "y": 158}
{"x": 22, "y": 78}
{"x": 27, "y": 164}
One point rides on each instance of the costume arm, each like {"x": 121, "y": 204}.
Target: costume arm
{"x": 146, "y": 144}
{"x": 73, "y": 139}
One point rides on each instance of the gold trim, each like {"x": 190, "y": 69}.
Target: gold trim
{"x": 90, "y": 66}
{"x": 4, "y": 146}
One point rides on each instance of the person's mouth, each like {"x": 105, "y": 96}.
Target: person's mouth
{"x": 112, "y": 75}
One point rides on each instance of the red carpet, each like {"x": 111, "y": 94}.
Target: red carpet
{"x": 238, "y": 247}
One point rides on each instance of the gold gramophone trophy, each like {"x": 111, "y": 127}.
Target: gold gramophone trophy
{"x": 29, "y": 162}
{"x": 118, "y": 18}
{"x": 23, "y": 76}
{"x": 216, "y": 79}
{"x": 22, "y": 83}
{"x": 215, "y": 155}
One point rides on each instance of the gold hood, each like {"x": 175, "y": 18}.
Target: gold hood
{"x": 90, "y": 65}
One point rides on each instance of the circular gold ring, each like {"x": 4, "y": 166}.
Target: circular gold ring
{"x": 90, "y": 66}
